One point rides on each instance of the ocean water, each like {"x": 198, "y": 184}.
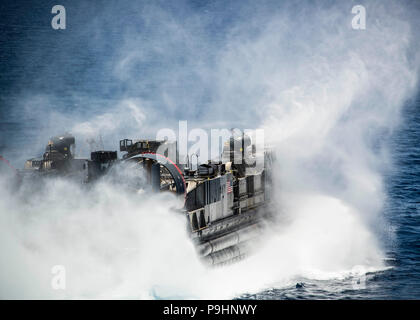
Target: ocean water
{"x": 401, "y": 279}
{"x": 193, "y": 60}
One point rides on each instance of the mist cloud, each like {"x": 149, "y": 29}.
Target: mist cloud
{"x": 327, "y": 96}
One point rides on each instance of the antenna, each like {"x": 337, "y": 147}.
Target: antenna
{"x": 187, "y": 166}
{"x": 194, "y": 154}
{"x": 101, "y": 143}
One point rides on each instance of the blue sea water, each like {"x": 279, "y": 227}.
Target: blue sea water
{"x": 69, "y": 71}
{"x": 402, "y": 209}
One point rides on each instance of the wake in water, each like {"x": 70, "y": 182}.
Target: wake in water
{"x": 118, "y": 242}
{"x": 327, "y": 97}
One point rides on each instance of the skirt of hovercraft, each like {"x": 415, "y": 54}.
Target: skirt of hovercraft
{"x": 230, "y": 247}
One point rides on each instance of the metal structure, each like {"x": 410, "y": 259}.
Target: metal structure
{"x": 225, "y": 202}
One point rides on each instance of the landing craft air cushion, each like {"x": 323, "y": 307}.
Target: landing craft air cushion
{"x": 225, "y": 202}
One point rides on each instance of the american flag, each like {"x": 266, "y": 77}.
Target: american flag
{"x": 229, "y": 185}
